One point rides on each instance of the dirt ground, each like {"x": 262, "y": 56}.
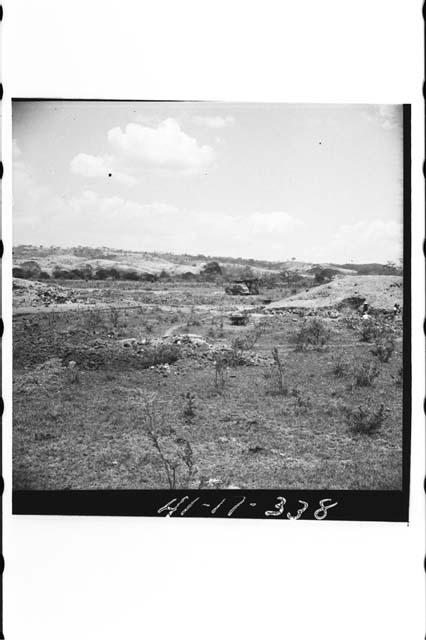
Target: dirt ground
{"x": 86, "y": 426}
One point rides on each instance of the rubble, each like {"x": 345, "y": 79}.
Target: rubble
{"x": 33, "y": 294}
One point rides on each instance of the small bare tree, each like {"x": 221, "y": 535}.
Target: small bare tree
{"x": 219, "y": 372}
{"x": 115, "y": 317}
{"x": 279, "y": 370}
{"x": 175, "y": 452}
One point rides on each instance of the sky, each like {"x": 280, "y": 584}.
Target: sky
{"x": 321, "y": 183}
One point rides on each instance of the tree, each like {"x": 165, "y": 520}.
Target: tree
{"x": 31, "y": 269}
{"x": 211, "y": 269}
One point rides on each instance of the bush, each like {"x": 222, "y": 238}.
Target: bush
{"x": 211, "y": 269}
{"x": 314, "y": 334}
{"x": 30, "y": 268}
{"x": 220, "y": 371}
{"x": 365, "y": 373}
{"x": 276, "y": 376}
{"x": 303, "y": 403}
{"x": 174, "y": 452}
{"x": 365, "y": 420}
{"x": 193, "y": 319}
{"x": 384, "y": 349}
{"x": 372, "y": 330}
{"x": 190, "y": 407}
{"x": 159, "y": 354}
{"x": 340, "y": 367}
{"x": 244, "y": 342}
{"x": 368, "y": 330}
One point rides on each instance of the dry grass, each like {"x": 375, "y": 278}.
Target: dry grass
{"x": 96, "y": 434}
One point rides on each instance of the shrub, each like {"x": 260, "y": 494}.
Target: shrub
{"x": 94, "y": 319}
{"x": 211, "y": 333}
{"x": 277, "y": 375}
{"x": 220, "y": 368}
{"x": 73, "y": 373}
{"x": 340, "y": 366}
{"x": 115, "y": 317}
{"x": 242, "y": 343}
{"x": 175, "y": 452}
{"x": 365, "y": 420}
{"x": 193, "y": 320}
{"x": 365, "y": 373}
{"x": 367, "y": 330}
{"x": 384, "y": 348}
{"x": 314, "y": 334}
{"x": 303, "y": 403}
{"x": 211, "y": 269}
{"x": 152, "y": 355}
{"x": 351, "y": 322}
{"x": 190, "y": 405}
{"x": 371, "y": 329}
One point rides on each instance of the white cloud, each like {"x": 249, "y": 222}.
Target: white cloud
{"x": 140, "y": 147}
{"x": 89, "y": 166}
{"x": 214, "y": 122}
{"x": 41, "y": 217}
{"x": 165, "y": 146}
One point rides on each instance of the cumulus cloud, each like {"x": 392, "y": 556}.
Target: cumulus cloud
{"x": 40, "y": 216}
{"x": 89, "y": 166}
{"x": 139, "y": 147}
{"x": 215, "y": 122}
{"x": 89, "y": 218}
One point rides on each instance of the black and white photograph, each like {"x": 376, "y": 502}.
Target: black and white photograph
{"x": 213, "y": 299}
{"x": 207, "y": 296}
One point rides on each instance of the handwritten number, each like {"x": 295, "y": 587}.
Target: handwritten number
{"x": 280, "y": 506}
{"x": 188, "y": 507}
{"x": 231, "y": 511}
{"x": 321, "y": 513}
{"x": 217, "y": 506}
{"x": 299, "y": 511}
{"x": 171, "y": 507}
{"x": 171, "y": 510}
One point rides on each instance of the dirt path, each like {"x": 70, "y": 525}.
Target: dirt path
{"x": 171, "y": 330}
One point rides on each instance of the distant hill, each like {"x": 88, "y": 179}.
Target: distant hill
{"x": 39, "y": 262}
{"x": 372, "y": 269}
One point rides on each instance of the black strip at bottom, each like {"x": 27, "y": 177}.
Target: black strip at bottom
{"x": 379, "y": 506}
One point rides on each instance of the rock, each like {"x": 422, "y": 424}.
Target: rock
{"x": 129, "y": 342}
{"x": 213, "y": 483}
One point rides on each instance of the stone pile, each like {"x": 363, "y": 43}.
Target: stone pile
{"x": 32, "y": 293}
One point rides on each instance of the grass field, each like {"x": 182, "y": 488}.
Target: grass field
{"x": 115, "y": 422}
